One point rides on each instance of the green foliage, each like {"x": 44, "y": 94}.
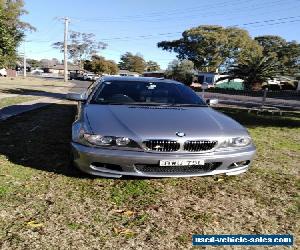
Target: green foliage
{"x": 286, "y": 53}
{"x": 181, "y": 71}
{"x": 100, "y": 65}
{"x": 254, "y": 71}
{"x": 81, "y": 46}
{"x": 34, "y": 63}
{"x": 152, "y": 66}
{"x": 133, "y": 63}
{"x": 11, "y": 30}
{"x": 212, "y": 47}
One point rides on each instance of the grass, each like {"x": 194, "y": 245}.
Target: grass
{"x": 8, "y": 101}
{"x": 45, "y": 204}
{"x": 35, "y": 86}
{"x": 29, "y": 81}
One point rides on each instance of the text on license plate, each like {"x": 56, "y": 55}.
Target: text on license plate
{"x": 181, "y": 162}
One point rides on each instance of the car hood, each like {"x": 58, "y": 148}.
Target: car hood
{"x": 153, "y": 122}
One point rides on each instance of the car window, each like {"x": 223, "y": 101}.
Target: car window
{"x": 138, "y": 92}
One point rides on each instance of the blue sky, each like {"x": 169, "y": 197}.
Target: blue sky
{"x": 137, "y": 25}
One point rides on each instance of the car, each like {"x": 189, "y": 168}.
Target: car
{"x": 3, "y": 72}
{"x": 154, "y": 127}
{"x": 90, "y": 77}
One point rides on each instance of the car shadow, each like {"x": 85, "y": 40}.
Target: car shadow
{"x": 32, "y": 92}
{"x": 40, "y": 139}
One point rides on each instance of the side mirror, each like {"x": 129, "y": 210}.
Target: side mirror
{"x": 212, "y": 102}
{"x": 79, "y": 97}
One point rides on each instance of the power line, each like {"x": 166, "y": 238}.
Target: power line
{"x": 144, "y": 18}
{"x": 266, "y": 22}
{"x": 151, "y": 14}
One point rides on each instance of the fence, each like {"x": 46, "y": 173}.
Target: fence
{"x": 281, "y": 94}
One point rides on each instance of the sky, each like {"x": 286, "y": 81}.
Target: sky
{"x": 138, "y": 25}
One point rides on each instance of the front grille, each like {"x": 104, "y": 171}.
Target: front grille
{"x": 196, "y": 146}
{"x": 155, "y": 168}
{"x": 162, "y": 145}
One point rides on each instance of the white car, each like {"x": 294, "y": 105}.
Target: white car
{"x": 3, "y": 72}
{"x": 90, "y": 77}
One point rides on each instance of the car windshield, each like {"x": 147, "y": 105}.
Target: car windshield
{"x": 149, "y": 93}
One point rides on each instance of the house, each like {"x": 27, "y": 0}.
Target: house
{"x": 59, "y": 69}
{"x": 208, "y": 78}
{"x": 212, "y": 80}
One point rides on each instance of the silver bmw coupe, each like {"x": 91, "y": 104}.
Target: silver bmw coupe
{"x": 152, "y": 127}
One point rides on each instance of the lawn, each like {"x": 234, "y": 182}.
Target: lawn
{"x": 33, "y": 86}
{"x": 8, "y": 101}
{"x": 44, "y": 204}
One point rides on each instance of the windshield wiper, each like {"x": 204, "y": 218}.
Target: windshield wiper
{"x": 187, "y": 105}
{"x": 152, "y": 104}
{"x": 131, "y": 103}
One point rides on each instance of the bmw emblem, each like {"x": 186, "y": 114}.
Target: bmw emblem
{"x": 180, "y": 134}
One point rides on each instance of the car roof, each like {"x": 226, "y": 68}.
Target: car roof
{"x": 138, "y": 79}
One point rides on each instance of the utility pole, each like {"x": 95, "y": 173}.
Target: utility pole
{"x": 66, "y": 49}
{"x": 24, "y": 61}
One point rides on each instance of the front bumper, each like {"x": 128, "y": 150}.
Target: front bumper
{"x": 101, "y": 162}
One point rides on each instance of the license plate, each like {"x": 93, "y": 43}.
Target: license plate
{"x": 167, "y": 163}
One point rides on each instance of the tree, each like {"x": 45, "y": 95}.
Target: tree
{"x": 133, "y": 63}
{"x": 11, "y": 29}
{"x": 181, "y": 71}
{"x": 81, "y": 47}
{"x": 212, "y": 47}
{"x": 286, "y": 53}
{"x": 254, "y": 70}
{"x": 100, "y": 65}
{"x": 152, "y": 66}
{"x": 34, "y": 63}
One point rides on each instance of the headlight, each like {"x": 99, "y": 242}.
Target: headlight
{"x": 241, "y": 141}
{"x": 81, "y": 135}
{"x": 98, "y": 139}
{"x": 122, "y": 141}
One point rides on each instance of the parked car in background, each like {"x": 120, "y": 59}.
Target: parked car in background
{"x": 90, "y": 77}
{"x": 75, "y": 75}
{"x": 87, "y": 76}
{"x": 37, "y": 72}
{"x": 154, "y": 127}
{"x": 3, "y": 72}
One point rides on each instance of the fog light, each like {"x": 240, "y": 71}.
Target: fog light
{"x": 239, "y": 164}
